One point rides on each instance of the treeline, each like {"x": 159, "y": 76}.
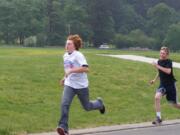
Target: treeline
{"x": 124, "y": 23}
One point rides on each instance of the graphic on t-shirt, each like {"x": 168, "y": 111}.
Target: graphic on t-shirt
{"x": 68, "y": 64}
{"x": 75, "y": 80}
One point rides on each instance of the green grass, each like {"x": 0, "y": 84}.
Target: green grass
{"x": 30, "y": 94}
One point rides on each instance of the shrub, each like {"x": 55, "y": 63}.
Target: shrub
{"x": 135, "y": 38}
{"x": 30, "y": 41}
{"x": 41, "y": 39}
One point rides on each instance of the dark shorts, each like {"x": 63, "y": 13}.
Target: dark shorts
{"x": 169, "y": 91}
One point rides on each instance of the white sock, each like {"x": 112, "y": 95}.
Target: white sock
{"x": 158, "y": 114}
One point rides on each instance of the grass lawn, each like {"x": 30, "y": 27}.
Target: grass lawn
{"x": 30, "y": 94}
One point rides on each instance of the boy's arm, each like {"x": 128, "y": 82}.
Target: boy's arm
{"x": 165, "y": 70}
{"x": 74, "y": 70}
{"x": 77, "y": 70}
{"x": 155, "y": 79}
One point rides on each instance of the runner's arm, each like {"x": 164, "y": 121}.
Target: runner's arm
{"x": 78, "y": 70}
{"x": 61, "y": 82}
{"x": 163, "y": 69}
{"x": 155, "y": 79}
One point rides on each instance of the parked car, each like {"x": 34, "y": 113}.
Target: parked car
{"x": 104, "y": 46}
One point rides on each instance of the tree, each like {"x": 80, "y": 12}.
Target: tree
{"x": 76, "y": 18}
{"x": 55, "y": 25}
{"x": 160, "y": 17}
{"x": 172, "y": 39}
{"x": 7, "y": 26}
{"x": 141, "y": 6}
{"x": 101, "y": 21}
{"x": 28, "y": 18}
{"x": 172, "y": 3}
{"x": 129, "y": 20}
{"x": 96, "y": 21}
{"x": 20, "y": 19}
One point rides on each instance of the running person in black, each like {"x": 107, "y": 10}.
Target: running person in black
{"x": 167, "y": 83}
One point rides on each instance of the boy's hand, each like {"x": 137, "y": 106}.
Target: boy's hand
{"x": 152, "y": 82}
{"x": 155, "y": 64}
{"x": 61, "y": 82}
{"x": 68, "y": 72}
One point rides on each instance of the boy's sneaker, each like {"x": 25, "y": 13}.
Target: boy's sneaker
{"x": 103, "y": 109}
{"x": 157, "y": 121}
{"x": 61, "y": 131}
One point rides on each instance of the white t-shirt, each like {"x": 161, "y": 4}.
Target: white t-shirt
{"x": 75, "y": 80}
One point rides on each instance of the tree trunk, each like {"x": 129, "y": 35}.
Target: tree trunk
{"x": 50, "y": 21}
{"x": 7, "y": 38}
{"x": 21, "y": 39}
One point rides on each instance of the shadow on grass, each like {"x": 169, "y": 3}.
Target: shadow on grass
{"x": 6, "y": 132}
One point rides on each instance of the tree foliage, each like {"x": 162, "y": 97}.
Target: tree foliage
{"x": 96, "y": 21}
{"x": 172, "y": 39}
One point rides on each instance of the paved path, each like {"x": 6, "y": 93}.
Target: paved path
{"x": 163, "y": 130}
{"x": 138, "y": 58}
{"x": 128, "y": 129}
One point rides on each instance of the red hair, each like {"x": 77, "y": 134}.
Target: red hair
{"x": 76, "y": 40}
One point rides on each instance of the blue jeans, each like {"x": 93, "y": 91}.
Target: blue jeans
{"x": 68, "y": 95}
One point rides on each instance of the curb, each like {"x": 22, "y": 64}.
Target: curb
{"x": 114, "y": 128}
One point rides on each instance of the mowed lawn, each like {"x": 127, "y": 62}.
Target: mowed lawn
{"x": 30, "y": 94}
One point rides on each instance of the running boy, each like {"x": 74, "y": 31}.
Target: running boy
{"x": 167, "y": 83}
{"x": 75, "y": 82}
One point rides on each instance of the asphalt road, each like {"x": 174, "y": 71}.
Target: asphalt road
{"x": 160, "y": 130}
